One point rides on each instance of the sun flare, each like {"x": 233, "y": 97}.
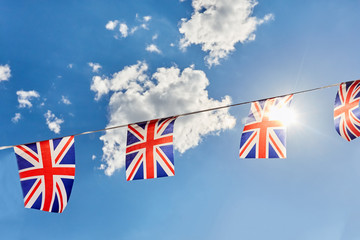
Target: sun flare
{"x": 286, "y": 115}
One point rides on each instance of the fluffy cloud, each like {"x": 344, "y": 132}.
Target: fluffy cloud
{"x": 24, "y": 98}
{"x": 5, "y": 72}
{"x": 111, "y": 25}
{"x": 147, "y": 18}
{"x": 95, "y": 66}
{"x": 65, "y": 100}
{"x": 153, "y": 48}
{"x": 217, "y": 25}
{"x": 70, "y": 65}
{"x": 136, "y": 96}
{"x": 53, "y": 122}
{"x": 16, "y": 118}
{"x": 120, "y": 80}
{"x": 124, "y": 29}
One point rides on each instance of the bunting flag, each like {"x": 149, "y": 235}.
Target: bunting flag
{"x": 346, "y": 110}
{"x": 47, "y": 168}
{"x": 264, "y": 134}
{"x": 47, "y": 171}
{"x": 149, "y": 150}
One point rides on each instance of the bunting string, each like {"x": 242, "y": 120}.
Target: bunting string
{"x": 191, "y": 113}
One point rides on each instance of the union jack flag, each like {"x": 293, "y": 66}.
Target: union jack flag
{"x": 264, "y": 133}
{"x": 346, "y": 110}
{"x": 149, "y": 150}
{"x": 47, "y": 171}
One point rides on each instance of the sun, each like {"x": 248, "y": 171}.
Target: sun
{"x": 285, "y": 115}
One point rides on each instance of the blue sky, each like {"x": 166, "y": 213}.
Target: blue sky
{"x": 166, "y": 61}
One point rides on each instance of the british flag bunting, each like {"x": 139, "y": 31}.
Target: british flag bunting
{"x": 47, "y": 171}
{"x": 264, "y": 136}
{"x": 149, "y": 150}
{"x": 347, "y": 111}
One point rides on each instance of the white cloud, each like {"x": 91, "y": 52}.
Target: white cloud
{"x": 16, "y": 118}
{"x": 65, "y": 100}
{"x": 24, "y": 98}
{"x": 172, "y": 45}
{"x": 123, "y": 29}
{"x": 144, "y": 26}
{"x": 217, "y": 25}
{"x": 137, "y": 96}
{"x": 152, "y": 48}
{"x": 155, "y": 37}
{"x": 5, "y": 72}
{"x": 134, "y": 29}
{"x": 120, "y": 80}
{"x": 100, "y": 86}
{"x": 53, "y": 122}
{"x": 147, "y": 18}
{"x": 93, "y": 157}
{"x": 95, "y": 66}
{"x": 70, "y": 65}
{"x": 111, "y": 25}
